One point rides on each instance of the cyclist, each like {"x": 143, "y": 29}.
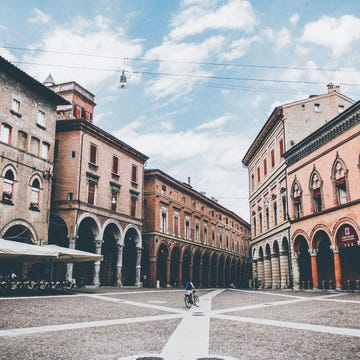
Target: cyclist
{"x": 190, "y": 289}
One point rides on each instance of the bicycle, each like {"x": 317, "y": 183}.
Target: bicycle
{"x": 191, "y": 300}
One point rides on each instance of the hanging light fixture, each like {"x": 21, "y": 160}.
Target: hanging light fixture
{"x": 123, "y": 80}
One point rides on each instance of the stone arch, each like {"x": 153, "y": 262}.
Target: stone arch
{"x": 82, "y": 217}
{"x": 19, "y": 229}
{"x": 318, "y": 229}
{"x": 137, "y": 235}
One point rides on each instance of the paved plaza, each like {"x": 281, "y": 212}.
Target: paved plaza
{"x": 129, "y": 324}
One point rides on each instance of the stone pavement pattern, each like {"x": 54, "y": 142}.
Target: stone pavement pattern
{"x": 229, "y": 324}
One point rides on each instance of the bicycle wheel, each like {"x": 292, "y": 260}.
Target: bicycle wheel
{"x": 187, "y": 301}
{"x": 196, "y": 300}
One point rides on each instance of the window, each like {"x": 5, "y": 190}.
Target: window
{"x": 93, "y": 153}
{"x": 22, "y": 140}
{"x": 5, "y": 133}
{"x": 265, "y": 167}
{"x": 283, "y": 200}
{"x": 260, "y": 223}
{"x": 176, "y": 225}
{"x": 15, "y": 106}
{"x": 296, "y": 197}
{"x": 213, "y": 235}
{"x": 205, "y": 240}
{"x": 197, "y": 233}
{"x": 114, "y": 199}
{"x": 281, "y": 147}
{"x": 339, "y": 179}
{"x": 187, "y": 229}
{"x": 91, "y": 192}
{"x": 70, "y": 196}
{"x": 272, "y": 155}
{"x": 254, "y": 227}
{"x": 35, "y": 194}
{"x": 163, "y": 190}
{"x": 267, "y": 218}
{"x": 317, "y": 107}
{"x": 133, "y": 206}
{"x": 134, "y": 173}
{"x": 45, "y": 150}
{"x": 77, "y": 111}
{"x": 115, "y": 165}
{"x": 73, "y": 154}
{"x": 275, "y": 213}
{"x": 163, "y": 221}
{"x": 252, "y": 182}
{"x": 41, "y": 118}
{"x": 258, "y": 174}
{"x": 56, "y": 150}
{"x": 315, "y": 189}
{"x": 35, "y": 146}
{"x": 8, "y": 187}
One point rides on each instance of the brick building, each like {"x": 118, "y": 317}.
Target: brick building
{"x": 190, "y": 236}
{"x": 27, "y": 137}
{"x": 98, "y": 194}
{"x": 324, "y": 204}
{"x": 268, "y": 185}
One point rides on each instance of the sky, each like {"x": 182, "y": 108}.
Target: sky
{"x": 202, "y": 75}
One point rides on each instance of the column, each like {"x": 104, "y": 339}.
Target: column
{"x": 119, "y": 264}
{"x": 138, "y": 267}
{"x": 275, "y": 271}
{"x": 284, "y": 270}
{"x": 296, "y": 270}
{"x": 314, "y": 270}
{"x": 152, "y": 275}
{"x": 168, "y": 272}
{"x": 267, "y": 272}
{"x": 337, "y": 266}
{"x": 70, "y": 266}
{"x": 260, "y": 268}
{"x": 96, "y": 278}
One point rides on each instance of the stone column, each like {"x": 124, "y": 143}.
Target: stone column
{"x": 138, "y": 267}
{"x": 168, "y": 272}
{"x": 296, "y": 270}
{"x": 267, "y": 272}
{"x": 70, "y": 266}
{"x": 275, "y": 271}
{"x": 119, "y": 264}
{"x": 96, "y": 278}
{"x": 152, "y": 275}
{"x": 284, "y": 270}
{"x": 337, "y": 266}
{"x": 260, "y": 269}
{"x": 314, "y": 270}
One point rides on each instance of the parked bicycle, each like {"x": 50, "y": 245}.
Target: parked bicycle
{"x": 191, "y": 300}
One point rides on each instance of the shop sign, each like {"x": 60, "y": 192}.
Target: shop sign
{"x": 346, "y": 237}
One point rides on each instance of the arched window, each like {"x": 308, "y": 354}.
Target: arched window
{"x": 8, "y": 188}
{"x": 35, "y": 194}
{"x": 316, "y": 191}
{"x": 296, "y": 196}
{"x": 339, "y": 178}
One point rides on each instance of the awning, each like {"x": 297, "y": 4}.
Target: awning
{"x": 13, "y": 250}
{"x": 72, "y": 255}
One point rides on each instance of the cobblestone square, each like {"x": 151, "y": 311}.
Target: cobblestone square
{"x": 229, "y": 324}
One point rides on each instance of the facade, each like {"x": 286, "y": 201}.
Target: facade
{"x": 270, "y": 227}
{"x": 98, "y": 195}
{"x": 27, "y": 137}
{"x": 324, "y": 204}
{"x": 188, "y": 236}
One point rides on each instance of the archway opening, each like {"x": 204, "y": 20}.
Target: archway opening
{"x": 161, "y": 264}
{"x": 145, "y": 266}
{"x": 110, "y": 256}
{"x": 196, "y": 269}
{"x": 174, "y": 267}
{"x": 205, "y": 270}
{"x": 129, "y": 258}
{"x": 325, "y": 261}
{"x": 186, "y": 266}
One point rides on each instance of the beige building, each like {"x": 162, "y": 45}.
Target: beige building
{"x": 98, "y": 194}
{"x": 270, "y": 228}
{"x": 188, "y": 236}
{"x": 27, "y": 137}
{"x": 324, "y": 205}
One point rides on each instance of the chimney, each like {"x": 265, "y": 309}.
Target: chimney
{"x": 333, "y": 88}
{"x": 189, "y": 180}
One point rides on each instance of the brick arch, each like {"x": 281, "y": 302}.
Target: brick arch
{"x": 315, "y": 231}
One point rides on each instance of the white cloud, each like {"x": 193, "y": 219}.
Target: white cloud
{"x": 218, "y": 122}
{"x": 240, "y": 47}
{"x": 337, "y": 34}
{"x": 212, "y": 162}
{"x": 39, "y": 17}
{"x": 199, "y": 16}
{"x": 85, "y": 45}
{"x": 191, "y": 54}
{"x": 294, "y": 19}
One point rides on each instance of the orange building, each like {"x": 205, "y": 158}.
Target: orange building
{"x": 188, "y": 236}
{"x": 324, "y": 204}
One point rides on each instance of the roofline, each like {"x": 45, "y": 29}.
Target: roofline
{"x": 84, "y": 125}
{"x": 32, "y": 83}
{"x": 182, "y": 185}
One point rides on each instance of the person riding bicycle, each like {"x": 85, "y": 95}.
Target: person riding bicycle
{"x": 190, "y": 289}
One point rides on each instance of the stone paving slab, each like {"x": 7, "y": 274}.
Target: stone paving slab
{"x": 29, "y": 312}
{"x": 100, "y": 343}
{"x": 253, "y": 342}
{"x": 311, "y": 312}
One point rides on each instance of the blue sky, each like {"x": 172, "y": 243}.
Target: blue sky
{"x": 203, "y": 75}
